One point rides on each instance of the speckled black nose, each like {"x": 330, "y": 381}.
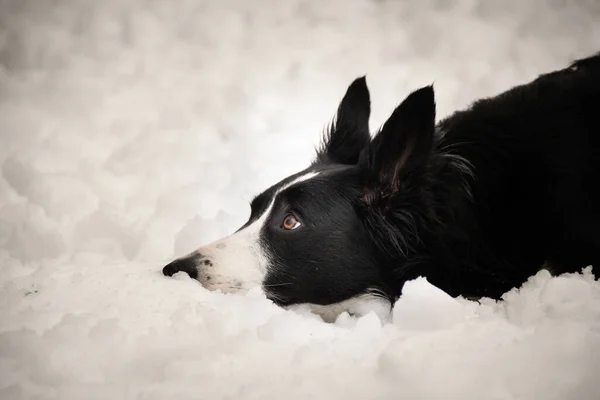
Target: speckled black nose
{"x": 187, "y": 265}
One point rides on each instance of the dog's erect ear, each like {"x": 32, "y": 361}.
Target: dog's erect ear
{"x": 349, "y": 133}
{"x": 403, "y": 143}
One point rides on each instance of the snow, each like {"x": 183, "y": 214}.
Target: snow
{"x": 135, "y": 131}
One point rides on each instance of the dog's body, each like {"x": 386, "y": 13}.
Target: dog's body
{"x": 476, "y": 204}
{"x": 535, "y": 155}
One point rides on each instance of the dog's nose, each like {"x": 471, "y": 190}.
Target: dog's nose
{"x": 187, "y": 265}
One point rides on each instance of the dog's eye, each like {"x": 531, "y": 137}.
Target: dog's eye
{"x": 290, "y": 222}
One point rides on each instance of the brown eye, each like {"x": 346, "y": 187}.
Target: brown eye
{"x": 290, "y": 222}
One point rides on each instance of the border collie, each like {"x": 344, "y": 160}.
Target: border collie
{"x": 476, "y": 204}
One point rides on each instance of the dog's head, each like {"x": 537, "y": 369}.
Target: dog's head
{"x": 338, "y": 229}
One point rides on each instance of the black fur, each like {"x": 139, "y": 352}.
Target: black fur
{"x": 476, "y": 204}
{"x": 349, "y": 133}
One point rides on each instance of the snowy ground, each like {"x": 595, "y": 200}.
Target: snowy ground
{"x": 134, "y": 131}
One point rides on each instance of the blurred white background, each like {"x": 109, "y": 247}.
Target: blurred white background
{"x": 128, "y": 127}
{"x": 132, "y": 131}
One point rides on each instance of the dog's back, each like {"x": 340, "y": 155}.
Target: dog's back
{"x": 535, "y": 152}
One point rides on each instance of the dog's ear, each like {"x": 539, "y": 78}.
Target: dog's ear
{"x": 349, "y": 134}
{"x": 403, "y": 144}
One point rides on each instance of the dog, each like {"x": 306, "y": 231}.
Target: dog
{"x": 476, "y": 203}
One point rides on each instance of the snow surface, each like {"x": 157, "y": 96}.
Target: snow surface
{"x": 134, "y": 131}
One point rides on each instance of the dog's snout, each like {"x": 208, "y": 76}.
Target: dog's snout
{"x": 187, "y": 265}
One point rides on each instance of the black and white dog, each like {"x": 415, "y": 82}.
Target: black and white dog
{"x": 476, "y": 204}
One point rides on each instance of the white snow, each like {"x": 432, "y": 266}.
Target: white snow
{"x": 135, "y": 131}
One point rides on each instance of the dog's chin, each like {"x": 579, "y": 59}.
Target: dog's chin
{"x": 227, "y": 286}
{"x": 225, "y": 289}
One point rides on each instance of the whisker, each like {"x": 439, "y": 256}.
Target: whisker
{"x": 278, "y": 284}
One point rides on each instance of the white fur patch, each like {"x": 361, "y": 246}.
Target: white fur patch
{"x": 356, "y": 306}
{"x": 238, "y": 262}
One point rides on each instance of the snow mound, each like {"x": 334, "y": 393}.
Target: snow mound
{"x": 135, "y": 131}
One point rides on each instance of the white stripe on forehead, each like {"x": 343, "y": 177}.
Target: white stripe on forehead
{"x": 301, "y": 178}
